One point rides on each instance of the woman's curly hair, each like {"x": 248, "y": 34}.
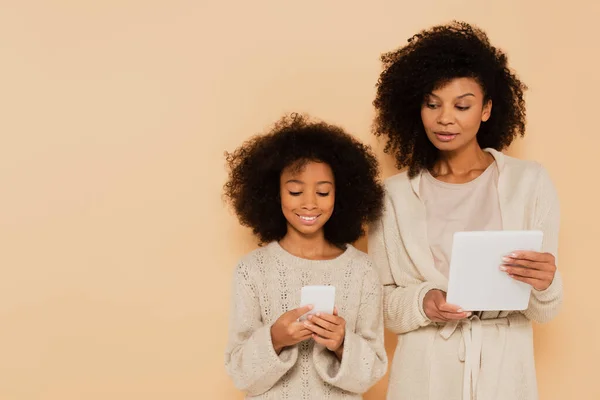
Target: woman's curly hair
{"x": 255, "y": 168}
{"x": 431, "y": 59}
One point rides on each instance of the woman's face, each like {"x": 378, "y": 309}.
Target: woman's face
{"x": 307, "y": 197}
{"x": 453, "y": 113}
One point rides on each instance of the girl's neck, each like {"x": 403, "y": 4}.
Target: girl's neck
{"x": 313, "y": 247}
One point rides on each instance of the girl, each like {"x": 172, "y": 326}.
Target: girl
{"x": 306, "y": 189}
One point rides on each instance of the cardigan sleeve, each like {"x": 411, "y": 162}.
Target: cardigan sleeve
{"x": 403, "y": 288}
{"x": 544, "y": 305}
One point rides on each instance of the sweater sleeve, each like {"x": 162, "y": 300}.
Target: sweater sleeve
{"x": 250, "y": 358}
{"x": 545, "y": 304}
{"x": 403, "y": 291}
{"x": 364, "y": 360}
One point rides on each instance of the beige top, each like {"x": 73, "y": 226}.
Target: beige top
{"x": 461, "y": 360}
{"x": 267, "y": 283}
{"x": 451, "y": 207}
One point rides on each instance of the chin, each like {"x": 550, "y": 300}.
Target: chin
{"x": 453, "y": 145}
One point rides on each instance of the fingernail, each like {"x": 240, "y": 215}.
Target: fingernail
{"x": 460, "y": 310}
{"x": 513, "y": 255}
{"x": 503, "y": 268}
{"x": 310, "y": 307}
{"x": 309, "y": 317}
{"x": 469, "y": 314}
{"x": 318, "y": 314}
{"x": 506, "y": 259}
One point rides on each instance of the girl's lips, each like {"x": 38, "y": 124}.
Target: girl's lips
{"x": 307, "y": 219}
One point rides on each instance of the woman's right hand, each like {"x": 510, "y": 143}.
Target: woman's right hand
{"x": 288, "y": 331}
{"x": 437, "y": 310}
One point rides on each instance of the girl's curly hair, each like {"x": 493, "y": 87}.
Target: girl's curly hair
{"x": 253, "y": 186}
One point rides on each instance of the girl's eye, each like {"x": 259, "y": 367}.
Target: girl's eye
{"x": 323, "y": 194}
{"x": 295, "y": 193}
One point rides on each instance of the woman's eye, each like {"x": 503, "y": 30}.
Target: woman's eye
{"x": 432, "y": 106}
{"x": 463, "y": 108}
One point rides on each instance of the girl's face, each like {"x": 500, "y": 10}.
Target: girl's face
{"x": 452, "y": 114}
{"x": 307, "y": 197}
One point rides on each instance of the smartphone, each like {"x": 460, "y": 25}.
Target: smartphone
{"x": 322, "y": 298}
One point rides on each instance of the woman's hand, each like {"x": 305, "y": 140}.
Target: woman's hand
{"x": 437, "y": 310}
{"x": 536, "y": 269}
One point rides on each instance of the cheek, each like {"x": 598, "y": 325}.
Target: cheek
{"x": 427, "y": 117}
{"x": 471, "y": 119}
{"x": 327, "y": 203}
{"x": 288, "y": 203}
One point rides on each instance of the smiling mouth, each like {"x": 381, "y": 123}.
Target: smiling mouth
{"x": 308, "y": 219}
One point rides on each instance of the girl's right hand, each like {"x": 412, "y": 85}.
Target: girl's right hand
{"x": 288, "y": 331}
{"x": 437, "y": 310}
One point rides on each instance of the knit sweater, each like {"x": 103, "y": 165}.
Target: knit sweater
{"x": 266, "y": 284}
{"x": 486, "y": 357}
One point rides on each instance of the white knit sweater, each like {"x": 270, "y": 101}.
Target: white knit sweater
{"x": 267, "y": 283}
{"x": 487, "y": 358}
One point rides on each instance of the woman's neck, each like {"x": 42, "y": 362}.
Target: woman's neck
{"x": 462, "y": 165}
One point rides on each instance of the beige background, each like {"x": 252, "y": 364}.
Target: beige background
{"x": 115, "y": 248}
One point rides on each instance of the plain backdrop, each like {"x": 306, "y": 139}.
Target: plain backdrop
{"x": 116, "y": 250}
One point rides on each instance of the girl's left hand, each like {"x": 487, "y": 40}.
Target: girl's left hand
{"x": 328, "y": 330}
{"x": 536, "y": 269}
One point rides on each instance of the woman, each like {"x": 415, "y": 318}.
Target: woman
{"x": 448, "y": 104}
{"x": 292, "y": 187}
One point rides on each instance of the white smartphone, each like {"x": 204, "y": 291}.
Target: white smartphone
{"x": 320, "y": 296}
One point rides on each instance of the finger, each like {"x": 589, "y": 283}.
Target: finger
{"x": 335, "y": 311}
{"x": 329, "y": 318}
{"x": 325, "y": 342}
{"x": 531, "y": 256}
{"x": 322, "y": 323}
{"x": 450, "y": 316}
{"x": 447, "y": 307}
{"x": 304, "y": 336}
{"x": 526, "y": 272}
{"x": 298, "y": 328}
{"x": 319, "y": 331}
{"x": 300, "y": 311}
{"x": 542, "y": 266}
{"x": 535, "y": 283}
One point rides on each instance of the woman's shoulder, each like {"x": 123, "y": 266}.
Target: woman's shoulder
{"x": 397, "y": 180}
{"x": 527, "y": 172}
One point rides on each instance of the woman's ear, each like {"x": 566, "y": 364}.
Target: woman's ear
{"x": 486, "y": 113}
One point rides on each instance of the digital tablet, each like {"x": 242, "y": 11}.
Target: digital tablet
{"x": 476, "y": 282}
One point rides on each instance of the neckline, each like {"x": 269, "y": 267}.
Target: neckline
{"x": 283, "y": 253}
{"x": 454, "y": 186}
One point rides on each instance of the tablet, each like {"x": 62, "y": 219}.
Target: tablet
{"x": 321, "y": 297}
{"x": 476, "y": 282}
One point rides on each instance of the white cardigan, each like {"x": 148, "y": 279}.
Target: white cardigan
{"x": 488, "y": 358}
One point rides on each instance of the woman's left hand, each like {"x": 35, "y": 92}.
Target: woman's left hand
{"x": 536, "y": 269}
{"x": 328, "y": 330}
